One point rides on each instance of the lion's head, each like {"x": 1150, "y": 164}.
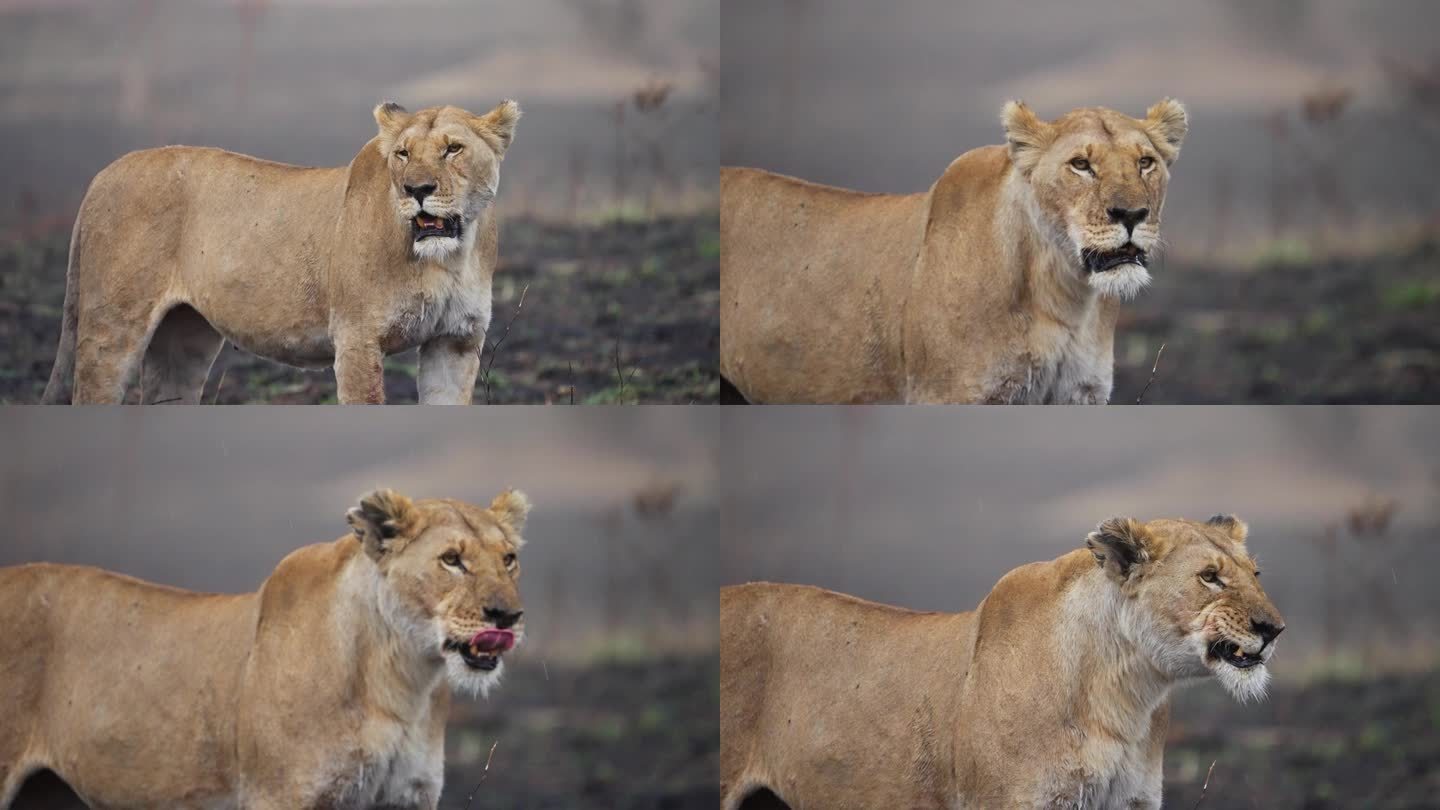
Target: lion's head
{"x": 444, "y": 168}
{"x": 1098, "y": 181}
{"x": 1193, "y": 599}
{"x": 451, "y": 576}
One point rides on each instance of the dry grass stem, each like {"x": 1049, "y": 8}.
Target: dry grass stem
{"x": 1140, "y": 400}
{"x": 495, "y": 347}
{"x": 485, "y": 773}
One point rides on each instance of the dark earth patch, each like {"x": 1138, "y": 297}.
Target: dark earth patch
{"x": 1332, "y": 331}
{"x": 1330, "y": 744}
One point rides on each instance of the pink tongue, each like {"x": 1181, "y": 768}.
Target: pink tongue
{"x": 493, "y": 640}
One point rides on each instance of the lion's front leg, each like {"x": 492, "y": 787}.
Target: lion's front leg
{"x": 448, "y": 366}
{"x": 359, "y": 375}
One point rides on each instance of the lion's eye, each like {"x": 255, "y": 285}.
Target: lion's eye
{"x": 1146, "y": 162}
{"x": 454, "y": 148}
{"x": 402, "y": 153}
{"x": 1211, "y": 576}
{"x": 1080, "y": 164}
{"x": 509, "y": 560}
{"x": 452, "y": 559}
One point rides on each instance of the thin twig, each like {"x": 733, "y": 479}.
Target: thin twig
{"x": 571, "y": 366}
{"x": 219, "y": 385}
{"x": 1203, "y": 787}
{"x": 495, "y": 347}
{"x": 167, "y": 399}
{"x": 1140, "y": 399}
{"x": 620, "y": 374}
{"x": 483, "y": 775}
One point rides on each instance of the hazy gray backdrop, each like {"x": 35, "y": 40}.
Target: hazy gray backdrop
{"x": 212, "y": 500}
{"x": 927, "y": 508}
{"x": 84, "y": 81}
{"x": 882, "y": 96}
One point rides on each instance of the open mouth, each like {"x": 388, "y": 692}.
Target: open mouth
{"x": 1230, "y": 652}
{"x": 424, "y": 226}
{"x": 1098, "y": 261}
{"x": 484, "y": 650}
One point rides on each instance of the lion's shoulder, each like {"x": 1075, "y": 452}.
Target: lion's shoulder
{"x": 978, "y": 174}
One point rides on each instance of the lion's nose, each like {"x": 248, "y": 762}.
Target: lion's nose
{"x": 1129, "y": 217}
{"x": 503, "y": 618}
{"x": 420, "y": 192}
{"x": 1266, "y": 630}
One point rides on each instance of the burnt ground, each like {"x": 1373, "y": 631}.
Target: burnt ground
{"x": 647, "y": 291}
{"x": 1330, "y": 744}
{"x": 615, "y": 735}
{"x": 1330, "y": 331}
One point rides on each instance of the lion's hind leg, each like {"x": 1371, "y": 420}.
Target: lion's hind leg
{"x": 12, "y": 775}
{"x": 179, "y": 357}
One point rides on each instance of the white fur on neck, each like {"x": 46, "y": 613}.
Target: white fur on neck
{"x": 407, "y": 656}
{"x": 1115, "y": 689}
{"x": 399, "y": 763}
{"x": 454, "y": 296}
{"x": 1070, "y": 362}
{"x": 1114, "y": 636}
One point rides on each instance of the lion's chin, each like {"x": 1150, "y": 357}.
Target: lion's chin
{"x": 465, "y": 678}
{"x": 1243, "y": 684}
{"x": 435, "y": 247}
{"x": 1121, "y": 282}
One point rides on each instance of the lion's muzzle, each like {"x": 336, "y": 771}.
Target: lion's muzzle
{"x": 1233, "y": 654}
{"x": 427, "y": 226}
{"x": 484, "y": 649}
{"x": 1099, "y": 261}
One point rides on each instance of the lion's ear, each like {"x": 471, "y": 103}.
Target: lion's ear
{"x": 391, "y": 118}
{"x": 1167, "y": 123}
{"x": 511, "y": 507}
{"x": 497, "y": 127}
{"x": 1026, "y": 135}
{"x": 383, "y": 521}
{"x": 1120, "y": 545}
{"x": 1232, "y": 525}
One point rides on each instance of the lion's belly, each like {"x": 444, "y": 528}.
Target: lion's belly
{"x": 303, "y": 348}
{"x": 289, "y": 325}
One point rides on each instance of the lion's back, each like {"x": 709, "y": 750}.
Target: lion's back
{"x": 154, "y": 664}
{"x": 811, "y": 279}
{"x": 811, "y": 678}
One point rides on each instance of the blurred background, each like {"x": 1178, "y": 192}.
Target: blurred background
{"x": 613, "y": 699}
{"x": 1302, "y": 217}
{"x": 929, "y": 508}
{"x": 608, "y": 198}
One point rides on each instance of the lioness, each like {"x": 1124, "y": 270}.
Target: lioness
{"x": 176, "y": 250}
{"x": 1052, "y": 693}
{"x": 327, "y": 688}
{"x": 1000, "y": 284}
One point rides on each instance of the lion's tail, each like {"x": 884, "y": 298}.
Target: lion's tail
{"x": 64, "y": 368}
